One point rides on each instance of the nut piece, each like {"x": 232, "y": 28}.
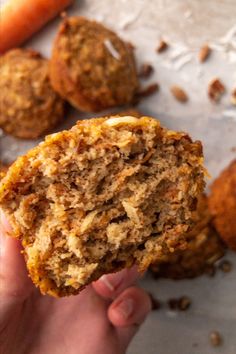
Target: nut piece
{"x": 180, "y": 304}
{"x": 149, "y": 90}
{"x": 225, "y": 266}
{"x": 233, "y": 97}
{"x": 162, "y": 46}
{"x": 215, "y": 90}
{"x": 179, "y": 93}
{"x": 146, "y": 70}
{"x": 204, "y": 53}
{"x": 184, "y": 303}
{"x": 156, "y": 304}
{"x": 211, "y": 270}
{"x": 215, "y": 339}
{"x": 173, "y": 304}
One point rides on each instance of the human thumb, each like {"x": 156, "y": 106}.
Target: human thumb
{"x": 15, "y": 285}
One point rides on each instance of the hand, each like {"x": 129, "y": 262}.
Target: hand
{"x": 102, "y": 319}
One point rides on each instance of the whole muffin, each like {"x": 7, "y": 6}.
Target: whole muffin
{"x": 91, "y": 67}
{"x": 222, "y": 204}
{"x": 106, "y": 194}
{"x": 204, "y": 248}
{"x": 29, "y": 107}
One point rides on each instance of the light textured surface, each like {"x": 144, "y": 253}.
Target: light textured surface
{"x": 186, "y": 25}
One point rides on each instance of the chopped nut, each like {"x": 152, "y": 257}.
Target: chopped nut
{"x": 156, "y": 304}
{"x": 173, "y": 304}
{"x": 145, "y": 70}
{"x": 181, "y": 304}
{"x": 162, "y": 46}
{"x": 225, "y": 266}
{"x": 204, "y": 53}
{"x": 215, "y": 90}
{"x": 179, "y": 94}
{"x": 149, "y": 90}
{"x": 184, "y": 303}
{"x": 215, "y": 339}
{"x": 233, "y": 97}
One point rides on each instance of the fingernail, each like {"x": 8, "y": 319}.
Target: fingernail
{"x": 112, "y": 281}
{"x": 125, "y": 307}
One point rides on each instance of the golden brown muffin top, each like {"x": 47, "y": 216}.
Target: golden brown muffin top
{"x": 222, "y": 203}
{"x": 28, "y": 105}
{"x": 94, "y": 62}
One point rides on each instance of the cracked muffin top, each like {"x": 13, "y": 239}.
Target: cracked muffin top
{"x": 91, "y": 66}
{"x": 29, "y": 107}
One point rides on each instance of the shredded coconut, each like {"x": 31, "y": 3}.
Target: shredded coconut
{"x": 111, "y": 49}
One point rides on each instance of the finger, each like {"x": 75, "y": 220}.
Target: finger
{"x": 130, "y": 308}
{"x": 109, "y": 286}
{"x": 15, "y": 284}
{"x": 128, "y": 312}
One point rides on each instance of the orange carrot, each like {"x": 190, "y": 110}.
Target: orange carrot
{"x": 19, "y": 19}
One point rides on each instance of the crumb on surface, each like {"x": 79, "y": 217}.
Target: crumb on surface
{"x": 162, "y": 46}
{"x": 145, "y": 70}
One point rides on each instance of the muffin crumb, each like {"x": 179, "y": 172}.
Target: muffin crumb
{"x": 162, "y": 46}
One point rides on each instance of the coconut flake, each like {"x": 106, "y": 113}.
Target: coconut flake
{"x": 130, "y": 19}
{"x": 111, "y": 49}
{"x": 181, "y": 62}
{"x": 113, "y": 121}
{"x": 229, "y": 36}
{"x": 230, "y": 113}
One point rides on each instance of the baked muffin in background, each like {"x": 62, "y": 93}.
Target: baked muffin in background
{"x": 108, "y": 193}
{"x": 91, "y": 67}
{"x": 204, "y": 248}
{"x": 29, "y": 107}
{"x": 222, "y": 205}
